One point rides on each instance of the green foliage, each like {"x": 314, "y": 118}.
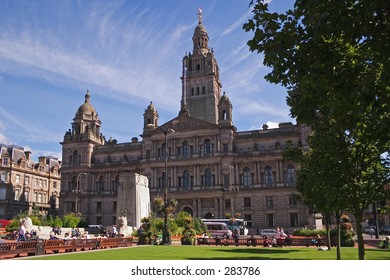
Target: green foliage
{"x": 333, "y": 58}
{"x": 71, "y": 220}
{"x": 13, "y": 225}
{"x": 57, "y": 222}
{"x": 309, "y": 232}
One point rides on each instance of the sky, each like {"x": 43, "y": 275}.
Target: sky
{"x": 126, "y": 53}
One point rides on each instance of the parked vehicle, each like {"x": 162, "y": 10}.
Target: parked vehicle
{"x": 218, "y": 229}
{"x": 268, "y": 232}
{"x": 385, "y": 230}
{"x": 368, "y": 229}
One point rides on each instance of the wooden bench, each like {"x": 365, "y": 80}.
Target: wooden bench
{"x": 59, "y": 245}
{"x": 299, "y": 241}
{"x": 28, "y": 248}
{"x": 84, "y": 244}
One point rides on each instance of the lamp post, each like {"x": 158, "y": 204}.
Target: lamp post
{"x": 166, "y": 236}
{"x": 77, "y": 191}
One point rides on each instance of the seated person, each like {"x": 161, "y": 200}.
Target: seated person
{"x": 266, "y": 242}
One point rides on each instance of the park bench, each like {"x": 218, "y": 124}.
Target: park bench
{"x": 28, "y": 248}
{"x": 58, "y": 245}
{"x": 299, "y": 241}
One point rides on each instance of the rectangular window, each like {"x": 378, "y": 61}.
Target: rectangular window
{"x": 114, "y": 206}
{"x": 292, "y": 201}
{"x": 294, "y": 219}
{"x": 247, "y": 202}
{"x": 225, "y": 149}
{"x": 17, "y": 195}
{"x": 54, "y": 185}
{"x": 5, "y": 161}
{"x": 226, "y": 180}
{"x": 4, "y": 177}
{"x": 269, "y": 201}
{"x": 228, "y": 203}
{"x": 2, "y": 193}
{"x": 270, "y": 220}
{"x": 99, "y": 206}
{"x": 17, "y": 179}
{"x": 26, "y": 180}
{"x": 40, "y": 183}
{"x": 98, "y": 220}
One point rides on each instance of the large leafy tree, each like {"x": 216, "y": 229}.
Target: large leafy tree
{"x": 334, "y": 59}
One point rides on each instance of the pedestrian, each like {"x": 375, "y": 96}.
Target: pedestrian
{"x": 22, "y": 232}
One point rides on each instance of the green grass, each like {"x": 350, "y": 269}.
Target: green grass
{"x": 217, "y": 253}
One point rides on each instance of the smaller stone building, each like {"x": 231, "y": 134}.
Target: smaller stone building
{"x": 25, "y": 184}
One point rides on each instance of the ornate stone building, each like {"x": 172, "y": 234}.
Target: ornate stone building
{"x": 25, "y": 184}
{"x": 209, "y": 167}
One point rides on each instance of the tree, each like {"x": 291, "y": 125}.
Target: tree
{"x": 333, "y": 58}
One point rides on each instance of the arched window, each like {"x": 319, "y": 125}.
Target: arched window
{"x": 207, "y": 146}
{"x": 101, "y": 184}
{"x": 186, "y": 180}
{"x": 268, "y": 176}
{"x": 115, "y": 184}
{"x": 208, "y": 178}
{"x": 290, "y": 173}
{"x": 186, "y": 149}
{"x": 246, "y": 177}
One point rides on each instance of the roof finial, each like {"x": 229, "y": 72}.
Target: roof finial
{"x": 200, "y": 15}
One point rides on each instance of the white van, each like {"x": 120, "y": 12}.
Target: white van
{"x": 218, "y": 229}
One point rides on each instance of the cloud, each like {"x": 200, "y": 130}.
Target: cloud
{"x": 237, "y": 24}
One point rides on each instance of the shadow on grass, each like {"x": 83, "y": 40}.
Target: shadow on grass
{"x": 258, "y": 254}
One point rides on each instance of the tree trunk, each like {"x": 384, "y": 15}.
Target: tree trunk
{"x": 359, "y": 233}
{"x": 338, "y": 235}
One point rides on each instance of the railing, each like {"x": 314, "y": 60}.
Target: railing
{"x": 40, "y": 246}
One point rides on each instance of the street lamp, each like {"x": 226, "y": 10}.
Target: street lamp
{"x": 77, "y": 191}
{"x": 166, "y": 240}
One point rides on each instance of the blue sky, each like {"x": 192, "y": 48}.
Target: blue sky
{"x": 126, "y": 53}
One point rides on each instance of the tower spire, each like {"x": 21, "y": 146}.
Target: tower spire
{"x": 200, "y": 15}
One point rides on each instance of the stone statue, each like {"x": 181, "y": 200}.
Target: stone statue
{"x": 123, "y": 229}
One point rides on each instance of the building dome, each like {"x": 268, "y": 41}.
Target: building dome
{"x": 86, "y": 111}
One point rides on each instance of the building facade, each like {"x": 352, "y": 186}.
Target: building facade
{"x": 26, "y": 185}
{"x": 198, "y": 158}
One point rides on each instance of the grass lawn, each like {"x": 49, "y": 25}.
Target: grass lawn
{"x": 217, "y": 253}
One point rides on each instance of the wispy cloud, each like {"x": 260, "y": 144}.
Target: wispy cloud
{"x": 237, "y": 24}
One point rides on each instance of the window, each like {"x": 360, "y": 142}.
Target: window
{"x": 186, "y": 180}
{"x": 186, "y": 149}
{"x": 115, "y": 184}
{"x": 203, "y": 90}
{"x": 4, "y": 177}
{"x": 40, "y": 183}
{"x": 268, "y": 176}
{"x": 99, "y": 206}
{"x": 5, "y": 161}
{"x": 290, "y": 174}
{"x": 26, "y": 180}
{"x": 225, "y": 148}
{"x": 292, "y": 201}
{"x": 208, "y": 178}
{"x": 247, "y": 177}
{"x": 98, "y": 220}
{"x": 269, "y": 201}
{"x": 207, "y": 146}
{"x": 247, "y": 202}
{"x": 294, "y": 219}
{"x": 270, "y": 220}
{"x": 228, "y": 203}
{"x": 54, "y": 185}
{"x": 100, "y": 185}
{"x": 226, "y": 180}
{"x": 17, "y": 194}
{"x": 17, "y": 179}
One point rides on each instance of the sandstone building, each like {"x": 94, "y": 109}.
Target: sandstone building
{"x": 209, "y": 167}
{"x": 26, "y": 185}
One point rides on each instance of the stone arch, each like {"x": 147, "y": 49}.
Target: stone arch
{"x": 188, "y": 209}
